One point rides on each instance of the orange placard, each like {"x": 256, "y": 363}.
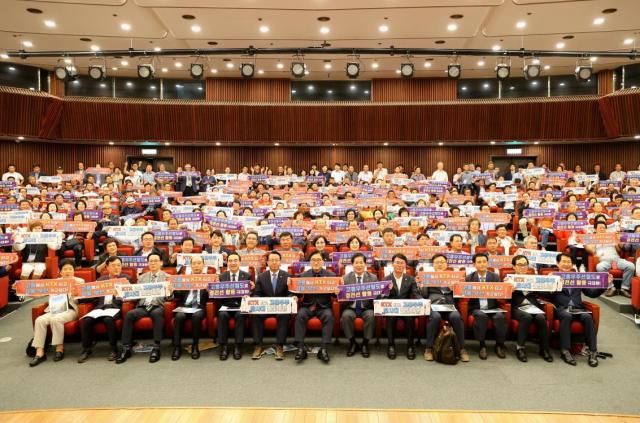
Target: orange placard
{"x": 73, "y": 226}
{"x": 253, "y": 260}
{"x": 8, "y": 258}
{"x": 492, "y": 290}
{"x": 326, "y": 285}
{"x": 42, "y": 287}
{"x": 98, "y": 288}
{"x": 439, "y": 279}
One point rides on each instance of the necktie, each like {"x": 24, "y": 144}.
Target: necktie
{"x": 484, "y": 304}
{"x": 359, "y": 302}
{"x": 274, "y": 282}
{"x": 233, "y": 277}
{"x": 148, "y": 301}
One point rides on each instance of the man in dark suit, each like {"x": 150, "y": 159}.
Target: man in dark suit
{"x": 403, "y": 286}
{"x": 114, "y": 267}
{"x": 477, "y": 308}
{"x": 193, "y": 299}
{"x": 36, "y": 172}
{"x": 232, "y": 274}
{"x": 216, "y": 246}
{"x": 363, "y": 309}
{"x": 188, "y": 184}
{"x": 524, "y": 299}
{"x": 271, "y": 283}
{"x": 569, "y": 300}
{"x": 148, "y": 247}
{"x": 318, "y": 305}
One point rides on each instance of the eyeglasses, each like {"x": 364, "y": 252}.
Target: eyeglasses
{"x": 522, "y": 264}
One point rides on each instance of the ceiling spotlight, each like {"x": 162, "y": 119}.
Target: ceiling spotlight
{"x": 297, "y": 69}
{"x": 481, "y": 63}
{"x": 247, "y": 70}
{"x": 406, "y": 70}
{"x": 146, "y": 71}
{"x": 124, "y": 63}
{"x": 452, "y": 27}
{"x": 324, "y": 30}
{"x": 560, "y": 46}
{"x": 214, "y": 70}
{"x": 196, "y": 28}
{"x": 27, "y": 44}
{"x": 383, "y": 28}
{"x": 496, "y": 47}
{"x": 374, "y": 65}
{"x": 353, "y": 69}
{"x": 4, "y": 56}
{"x": 125, "y": 26}
{"x": 264, "y": 29}
{"x": 503, "y": 70}
{"x": 547, "y": 67}
{"x": 157, "y": 48}
{"x": 229, "y": 65}
{"x": 95, "y": 48}
{"x": 427, "y": 64}
{"x": 532, "y": 70}
{"x": 598, "y": 21}
{"x": 164, "y": 70}
{"x": 66, "y": 73}
{"x": 521, "y": 24}
{"x": 196, "y": 70}
{"x": 97, "y": 72}
{"x": 327, "y": 65}
{"x": 280, "y": 65}
{"x": 628, "y": 41}
{"x": 584, "y": 72}
{"x": 50, "y": 24}
{"x": 454, "y": 71}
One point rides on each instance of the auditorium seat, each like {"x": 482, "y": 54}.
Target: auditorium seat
{"x": 4, "y": 291}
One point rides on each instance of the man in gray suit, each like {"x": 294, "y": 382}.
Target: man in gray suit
{"x": 146, "y": 307}
{"x": 363, "y": 309}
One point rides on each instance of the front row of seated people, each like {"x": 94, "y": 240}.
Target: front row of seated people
{"x": 273, "y": 283}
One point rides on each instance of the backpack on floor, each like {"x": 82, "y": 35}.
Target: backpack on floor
{"x": 446, "y": 349}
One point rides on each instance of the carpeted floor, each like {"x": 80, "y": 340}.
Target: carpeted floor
{"x": 345, "y": 383}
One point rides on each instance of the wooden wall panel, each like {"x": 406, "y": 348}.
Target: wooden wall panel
{"x": 255, "y": 89}
{"x": 413, "y": 89}
{"x": 51, "y": 155}
{"x": 605, "y": 82}
{"x": 22, "y": 112}
{"x": 56, "y": 86}
{"x": 624, "y": 107}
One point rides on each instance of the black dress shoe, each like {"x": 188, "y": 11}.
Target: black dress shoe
{"x": 195, "y": 351}
{"x": 84, "y": 356}
{"x": 177, "y": 352}
{"x": 224, "y": 352}
{"x": 568, "y": 358}
{"x": 112, "y": 356}
{"x": 353, "y": 347}
{"x": 301, "y": 354}
{"x": 521, "y": 354}
{"x": 237, "y": 351}
{"x": 124, "y": 355}
{"x": 593, "y": 358}
{"x": 501, "y": 351}
{"x": 411, "y": 352}
{"x": 364, "y": 350}
{"x": 37, "y": 360}
{"x": 155, "y": 355}
{"x": 391, "y": 352}
{"x": 323, "y": 355}
{"x": 58, "y": 356}
{"x": 546, "y": 355}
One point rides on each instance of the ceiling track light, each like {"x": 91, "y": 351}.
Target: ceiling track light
{"x": 66, "y": 72}
{"x": 196, "y": 70}
{"x": 584, "y": 70}
{"x": 247, "y": 70}
{"x": 503, "y": 70}
{"x": 297, "y": 69}
{"x": 97, "y": 72}
{"x": 454, "y": 70}
{"x": 406, "y": 70}
{"x": 146, "y": 71}
{"x": 352, "y": 69}
{"x": 531, "y": 68}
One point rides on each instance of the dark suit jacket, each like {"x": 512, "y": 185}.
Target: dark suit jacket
{"x": 319, "y": 300}
{"x": 409, "y": 288}
{"x": 474, "y": 303}
{"x": 264, "y": 288}
{"x": 349, "y": 279}
{"x": 222, "y": 250}
{"x": 518, "y": 297}
{"x": 40, "y": 250}
{"x": 181, "y": 296}
{"x": 561, "y": 299}
{"x": 232, "y": 302}
{"x": 181, "y": 183}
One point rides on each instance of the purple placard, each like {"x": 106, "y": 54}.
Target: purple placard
{"x": 164, "y": 237}
{"x": 570, "y": 225}
{"x": 432, "y": 189}
{"x": 258, "y": 178}
{"x": 362, "y": 291}
{"x": 295, "y": 232}
{"x": 344, "y": 258}
{"x": 8, "y": 207}
{"x": 136, "y": 262}
{"x": 165, "y": 176}
{"x": 575, "y": 280}
{"x": 193, "y": 174}
{"x": 151, "y": 199}
{"x": 617, "y": 184}
{"x": 578, "y": 204}
{"x": 92, "y": 215}
{"x": 580, "y": 214}
{"x": 459, "y": 259}
{"x": 66, "y": 195}
{"x": 246, "y": 203}
{"x": 428, "y": 213}
{"x": 278, "y": 221}
{"x": 7, "y": 184}
{"x": 538, "y": 213}
{"x": 631, "y": 197}
{"x": 314, "y": 180}
{"x": 224, "y": 224}
{"x": 339, "y": 226}
{"x": 229, "y": 289}
{"x": 630, "y": 238}
{"x": 6, "y": 240}
{"x": 187, "y": 217}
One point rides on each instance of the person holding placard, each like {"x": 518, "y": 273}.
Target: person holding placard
{"x": 109, "y": 302}
{"x": 110, "y": 246}
{"x": 442, "y": 297}
{"x": 34, "y": 255}
{"x": 271, "y": 283}
{"x": 229, "y": 308}
{"x": 216, "y": 246}
{"x": 402, "y": 287}
{"x": 61, "y": 309}
{"x": 152, "y": 307}
{"x": 190, "y": 305}
{"x": 148, "y": 247}
{"x": 315, "y": 305}
{"x": 361, "y": 308}
{"x": 607, "y": 255}
{"x": 484, "y": 310}
{"x": 526, "y": 309}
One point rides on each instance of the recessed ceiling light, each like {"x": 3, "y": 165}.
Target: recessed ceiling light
{"x": 95, "y": 48}
{"x": 4, "y": 56}
{"x": 440, "y": 143}
{"x": 535, "y": 62}
{"x": 536, "y": 143}
{"x": 103, "y": 85}
{"x": 157, "y": 48}
{"x": 125, "y": 26}
{"x": 50, "y": 24}
{"x": 352, "y": 87}
{"x": 628, "y": 41}
{"x": 264, "y": 29}
{"x": 306, "y": 72}
{"x": 21, "y": 138}
{"x": 129, "y": 84}
{"x": 534, "y": 83}
{"x": 385, "y": 144}
{"x": 383, "y": 28}
{"x": 327, "y": 66}
{"x": 218, "y": 143}
{"x": 485, "y": 85}
{"x": 310, "y": 87}
{"x": 165, "y": 70}
{"x": 325, "y": 30}
{"x": 496, "y": 47}
{"x": 124, "y": 63}
{"x": 276, "y": 144}
{"x": 68, "y": 61}
{"x": 598, "y": 21}
{"x": 280, "y": 65}
{"x": 464, "y": 88}
{"x": 178, "y": 64}
{"x": 547, "y": 67}
{"x": 11, "y": 68}
{"x": 260, "y": 71}
{"x": 230, "y": 65}
{"x": 593, "y": 59}
{"x": 481, "y": 63}
{"x": 521, "y": 24}
{"x": 195, "y": 28}
{"x": 366, "y": 91}
{"x": 329, "y": 91}
{"x": 114, "y": 68}
{"x": 293, "y": 91}
{"x": 375, "y": 65}
{"x": 560, "y": 45}
{"x": 427, "y": 64}
{"x": 214, "y": 70}
{"x": 493, "y": 142}
{"x": 167, "y": 143}
{"x": 397, "y": 70}
{"x": 27, "y": 43}
{"x": 111, "y": 143}
{"x": 452, "y": 27}
{"x": 512, "y": 88}
{"x": 637, "y": 137}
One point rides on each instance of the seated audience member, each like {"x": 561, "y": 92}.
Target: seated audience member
{"x": 34, "y": 255}
{"x": 232, "y": 274}
{"x": 607, "y": 255}
{"x": 110, "y": 247}
{"x": 483, "y": 310}
{"x": 75, "y": 241}
{"x": 251, "y": 244}
{"x": 61, "y": 309}
{"x": 148, "y": 247}
{"x": 114, "y": 268}
{"x": 503, "y": 239}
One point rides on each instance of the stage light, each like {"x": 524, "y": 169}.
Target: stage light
{"x": 531, "y": 70}
{"x": 297, "y": 69}
{"x": 66, "y": 73}
{"x": 196, "y": 70}
{"x": 146, "y": 71}
{"x": 454, "y": 71}
{"x": 247, "y": 70}
{"x": 353, "y": 69}
{"x": 583, "y": 72}
{"x": 406, "y": 70}
{"x": 503, "y": 70}
{"x": 97, "y": 72}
